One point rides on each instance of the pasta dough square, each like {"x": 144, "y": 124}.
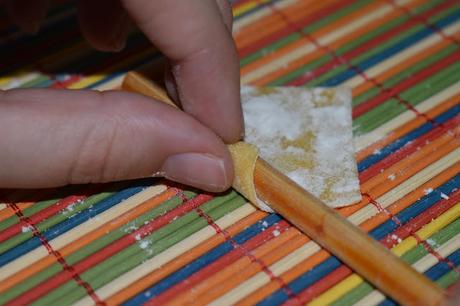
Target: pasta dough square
{"x": 307, "y": 135}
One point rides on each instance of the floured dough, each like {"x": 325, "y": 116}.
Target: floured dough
{"x": 304, "y": 133}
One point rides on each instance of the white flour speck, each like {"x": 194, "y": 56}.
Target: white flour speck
{"x": 444, "y": 196}
{"x": 26, "y": 229}
{"x": 137, "y": 237}
{"x": 396, "y": 238}
{"x": 392, "y": 177}
{"x": 428, "y": 190}
{"x": 432, "y": 242}
{"x": 130, "y": 229}
{"x": 276, "y": 233}
{"x": 144, "y": 244}
{"x": 70, "y": 207}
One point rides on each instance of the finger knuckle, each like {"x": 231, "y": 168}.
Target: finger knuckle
{"x": 93, "y": 162}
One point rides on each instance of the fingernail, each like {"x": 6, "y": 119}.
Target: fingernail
{"x": 119, "y": 41}
{"x": 204, "y": 171}
{"x": 171, "y": 86}
{"x": 120, "y": 34}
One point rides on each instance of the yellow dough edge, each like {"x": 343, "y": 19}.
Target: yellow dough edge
{"x": 244, "y": 157}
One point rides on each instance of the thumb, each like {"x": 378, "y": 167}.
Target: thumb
{"x": 56, "y": 137}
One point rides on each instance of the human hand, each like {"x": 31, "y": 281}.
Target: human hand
{"x": 453, "y": 295}
{"x": 51, "y": 137}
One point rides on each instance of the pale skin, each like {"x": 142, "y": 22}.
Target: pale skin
{"x": 53, "y": 138}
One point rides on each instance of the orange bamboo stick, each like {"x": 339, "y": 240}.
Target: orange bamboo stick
{"x": 20, "y": 198}
{"x": 8, "y": 212}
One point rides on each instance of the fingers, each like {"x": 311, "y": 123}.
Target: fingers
{"x": 226, "y": 12}
{"x": 58, "y": 137}
{"x": 104, "y": 24}
{"x": 204, "y": 62}
{"x": 454, "y": 295}
{"x": 27, "y": 14}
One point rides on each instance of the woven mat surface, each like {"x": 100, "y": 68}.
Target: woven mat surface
{"x": 153, "y": 242}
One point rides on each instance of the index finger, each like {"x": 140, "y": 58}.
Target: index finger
{"x": 193, "y": 35}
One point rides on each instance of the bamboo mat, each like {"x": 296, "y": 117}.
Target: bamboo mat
{"x": 153, "y": 242}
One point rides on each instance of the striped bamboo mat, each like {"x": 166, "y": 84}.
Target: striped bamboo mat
{"x": 155, "y": 243}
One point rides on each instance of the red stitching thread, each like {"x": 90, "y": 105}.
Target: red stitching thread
{"x": 435, "y": 253}
{"x": 359, "y": 71}
{"x": 265, "y": 268}
{"x": 89, "y": 290}
{"x": 380, "y": 208}
{"x": 180, "y": 194}
{"x": 423, "y": 21}
{"x": 421, "y": 241}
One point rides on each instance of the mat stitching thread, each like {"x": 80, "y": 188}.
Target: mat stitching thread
{"x": 284, "y": 286}
{"x": 89, "y": 290}
{"x": 358, "y": 70}
{"x": 424, "y": 21}
{"x": 412, "y": 233}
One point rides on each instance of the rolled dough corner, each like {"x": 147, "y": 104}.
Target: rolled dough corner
{"x": 244, "y": 157}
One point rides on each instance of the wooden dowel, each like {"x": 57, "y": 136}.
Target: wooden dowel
{"x": 350, "y": 244}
